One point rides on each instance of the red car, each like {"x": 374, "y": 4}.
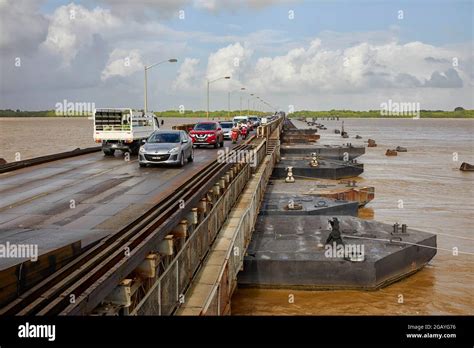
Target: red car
{"x": 207, "y": 133}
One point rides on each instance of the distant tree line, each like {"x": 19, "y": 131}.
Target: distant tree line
{"x": 458, "y": 112}
{"x": 202, "y": 113}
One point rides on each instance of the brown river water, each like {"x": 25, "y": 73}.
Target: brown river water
{"x": 437, "y": 198}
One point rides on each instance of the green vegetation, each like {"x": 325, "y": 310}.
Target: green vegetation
{"x": 202, "y": 113}
{"x": 18, "y": 113}
{"x": 459, "y": 113}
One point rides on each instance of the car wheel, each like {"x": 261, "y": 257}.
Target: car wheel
{"x": 142, "y": 165}
{"x": 181, "y": 160}
{"x": 109, "y": 152}
{"x": 191, "y": 156}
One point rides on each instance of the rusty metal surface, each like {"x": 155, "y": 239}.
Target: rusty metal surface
{"x": 326, "y": 169}
{"x": 323, "y": 151}
{"x": 343, "y": 190}
{"x": 291, "y": 253}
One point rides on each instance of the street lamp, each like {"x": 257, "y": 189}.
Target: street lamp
{"x": 248, "y": 104}
{"x": 242, "y": 89}
{"x": 173, "y": 60}
{"x": 208, "y": 83}
{"x": 228, "y": 99}
{"x": 258, "y": 106}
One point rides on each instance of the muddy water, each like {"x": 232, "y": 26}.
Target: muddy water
{"x": 27, "y": 137}
{"x": 436, "y": 197}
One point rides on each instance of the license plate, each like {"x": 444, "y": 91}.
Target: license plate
{"x": 114, "y": 145}
{"x": 157, "y": 157}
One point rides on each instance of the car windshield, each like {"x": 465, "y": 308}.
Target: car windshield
{"x": 164, "y": 138}
{"x": 226, "y": 125}
{"x": 205, "y": 126}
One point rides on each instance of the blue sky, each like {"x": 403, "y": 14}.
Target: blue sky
{"x": 289, "y": 60}
{"x": 431, "y": 21}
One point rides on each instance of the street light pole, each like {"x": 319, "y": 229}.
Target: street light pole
{"x": 248, "y": 104}
{"x": 228, "y": 104}
{"x": 242, "y": 89}
{"x": 146, "y": 68}
{"x": 208, "y": 83}
{"x": 146, "y": 91}
{"x": 228, "y": 101}
{"x": 207, "y": 112}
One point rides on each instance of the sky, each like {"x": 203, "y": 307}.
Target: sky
{"x": 296, "y": 55}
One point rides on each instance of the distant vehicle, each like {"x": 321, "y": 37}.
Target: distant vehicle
{"x": 122, "y": 129}
{"x": 226, "y": 128}
{"x": 241, "y": 119}
{"x": 207, "y": 133}
{"x": 255, "y": 121}
{"x": 167, "y": 147}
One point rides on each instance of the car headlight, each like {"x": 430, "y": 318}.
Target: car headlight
{"x": 174, "y": 150}
{"x": 142, "y": 149}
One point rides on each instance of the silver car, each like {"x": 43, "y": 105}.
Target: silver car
{"x": 227, "y": 128}
{"x": 167, "y": 147}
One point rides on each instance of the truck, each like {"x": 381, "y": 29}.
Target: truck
{"x": 122, "y": 129}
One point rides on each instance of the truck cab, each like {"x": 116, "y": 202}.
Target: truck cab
{"x": 122, "y": 129}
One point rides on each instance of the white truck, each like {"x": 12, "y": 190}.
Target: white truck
{"x": 122, "y": 129}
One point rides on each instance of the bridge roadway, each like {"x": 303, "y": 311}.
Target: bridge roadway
{"x": 83, "y": 198}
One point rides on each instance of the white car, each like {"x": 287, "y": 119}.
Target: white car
{"x": 227, "y": 128}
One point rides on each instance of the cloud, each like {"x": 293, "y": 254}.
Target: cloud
{"x": 356, "y": 68}
{"x": 84, "y": 58}
{"x": 187, "y": 78}
{"x": 22, "y": 27}
{"x": 228, "y": 61}
{"x": 448, "y": 79}
{"x": 146, "y": 9}
{"x": 233, "y": 5}
{"x": 122, "y": 63}
{"x": 436, "y": 60}
{"x": 72, "y": 27}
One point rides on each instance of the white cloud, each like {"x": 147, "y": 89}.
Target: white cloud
{"x": 358, "y": 68}
{"x": 146, "y": 9}
{"x": 219, "y": 5}
{"x": 187, "y": 78}
{"x": 72, "y": 27}
{"x": 81, "y": 57}
{"x": 122, "y": 63}
{"x": 228, "y": 61}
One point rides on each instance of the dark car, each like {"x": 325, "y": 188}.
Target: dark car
{"x": 255, "y": 121}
